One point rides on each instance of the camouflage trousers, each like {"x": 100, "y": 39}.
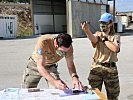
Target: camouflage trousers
{"x": 31, "y": 76}
{"x": 108, "y": 75}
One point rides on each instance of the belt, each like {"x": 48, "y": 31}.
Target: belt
{"x": 48, "y": 66}
{"x": 107, "y": 64}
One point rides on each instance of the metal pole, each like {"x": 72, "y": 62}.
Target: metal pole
{"x": 52, "y": 8}
{"x": 114, "y": 9}
{"x": 32, "y": 16}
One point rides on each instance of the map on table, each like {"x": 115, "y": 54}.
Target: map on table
{"x": 45, "y": 94}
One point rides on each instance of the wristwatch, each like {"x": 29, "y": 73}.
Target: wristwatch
{"x": 104, "y": 39}
{"x": 75, "y": 75}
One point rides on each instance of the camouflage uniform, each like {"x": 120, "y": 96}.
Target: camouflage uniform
{"x": 44, "y": 49}
{"x": 104, "y": 69}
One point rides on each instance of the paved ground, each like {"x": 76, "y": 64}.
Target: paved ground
{"x": 14, "y": 55}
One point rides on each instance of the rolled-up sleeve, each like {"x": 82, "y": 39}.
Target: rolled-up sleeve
{"x": 40, "y": 48}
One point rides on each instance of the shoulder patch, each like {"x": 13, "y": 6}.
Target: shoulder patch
{"x": 39, "y": 51}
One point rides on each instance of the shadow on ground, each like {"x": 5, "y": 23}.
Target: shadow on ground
{"x": 18, "y": 38}
{"x": 127, "y": 32}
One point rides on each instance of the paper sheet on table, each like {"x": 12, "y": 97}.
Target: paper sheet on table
{"x": 9, "y": 94}
{"x": 44, "y": 94}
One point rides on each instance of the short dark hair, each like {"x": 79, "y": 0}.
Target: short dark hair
{"x": 64, "y": 39}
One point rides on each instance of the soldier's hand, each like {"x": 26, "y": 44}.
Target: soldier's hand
{"x": 84, "y": 25}
{"x": 100, "y": 34}
{"x": 77, "y": 84}
{"x": 60, "y": 84}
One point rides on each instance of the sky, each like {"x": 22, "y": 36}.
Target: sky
{"x": 123, "y": 5}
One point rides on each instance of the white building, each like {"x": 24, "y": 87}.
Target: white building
{"x": 56, "y": 16}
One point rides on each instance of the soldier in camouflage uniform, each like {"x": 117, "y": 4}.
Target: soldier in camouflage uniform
{"x": 48, "y": 51}
{"x": 103, "y": 68}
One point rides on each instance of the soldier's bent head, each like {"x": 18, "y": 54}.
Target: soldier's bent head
{"x": 64, "y": 40}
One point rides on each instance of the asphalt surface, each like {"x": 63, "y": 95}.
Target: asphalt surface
{"x": 14, "y": 54}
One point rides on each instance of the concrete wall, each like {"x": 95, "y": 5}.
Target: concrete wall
{"x": 79, "y": 12}
{"x": 94, "y": 1}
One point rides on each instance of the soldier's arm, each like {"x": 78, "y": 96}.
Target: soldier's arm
{"x": 43, "y": 71}
{"x": 89, "y": 34}
{"x": 115, "y": 45}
